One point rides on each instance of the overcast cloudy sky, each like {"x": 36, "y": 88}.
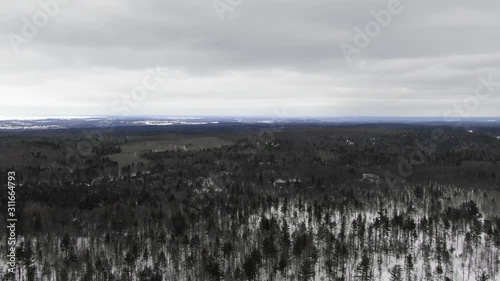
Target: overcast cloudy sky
{"x": 263, "y": 57}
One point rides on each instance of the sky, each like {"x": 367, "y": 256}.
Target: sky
{"x": 250, "y": 57}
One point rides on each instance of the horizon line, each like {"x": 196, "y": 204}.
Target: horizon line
{"x": 44, "y": 117}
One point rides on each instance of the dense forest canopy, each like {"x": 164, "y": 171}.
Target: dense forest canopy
{"x": 234, "y": 203}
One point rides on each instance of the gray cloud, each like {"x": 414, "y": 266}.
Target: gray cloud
{"x": 264, "y": 55}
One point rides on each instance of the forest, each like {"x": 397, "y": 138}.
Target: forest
{"x": 301, "y": 203}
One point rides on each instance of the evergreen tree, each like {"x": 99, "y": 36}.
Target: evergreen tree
{"x": 363, "y": 269}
